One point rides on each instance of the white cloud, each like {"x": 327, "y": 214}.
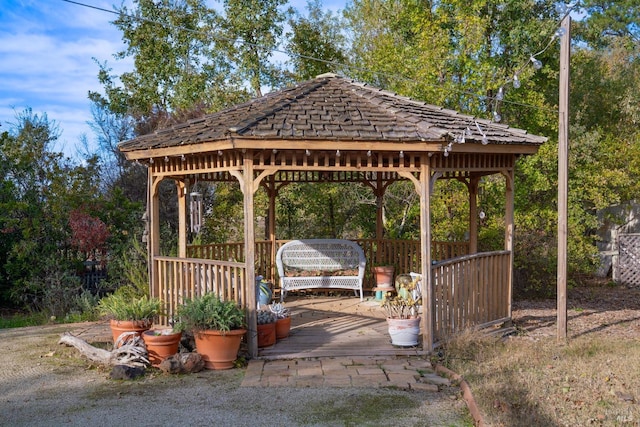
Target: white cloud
{"x": 46, "y": 61}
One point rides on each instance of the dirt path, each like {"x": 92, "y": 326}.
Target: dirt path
{"x": 45, "y": 384}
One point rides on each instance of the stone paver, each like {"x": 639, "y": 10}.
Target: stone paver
{"x": 401, "y": 372}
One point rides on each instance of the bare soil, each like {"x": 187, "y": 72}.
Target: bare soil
{"x": 43, "y": 383}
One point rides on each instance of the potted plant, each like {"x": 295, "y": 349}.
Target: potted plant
{"x": 161, "y": 343}
{"x": 266, "y": 328}
{"x": 283, "y": 322}
{"x": 402, "y": 315}
{"x": 128, "y": 312}
{"x": 218, "y": 327}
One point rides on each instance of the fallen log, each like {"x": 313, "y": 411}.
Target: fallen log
{"x": 129, "y": 350}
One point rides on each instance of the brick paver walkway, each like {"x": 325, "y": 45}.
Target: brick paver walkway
{"x": 400, "y": 372}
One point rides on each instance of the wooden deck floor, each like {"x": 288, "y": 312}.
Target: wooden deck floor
{"x": 335, "y": 326}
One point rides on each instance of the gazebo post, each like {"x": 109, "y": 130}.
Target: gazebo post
{"x": 425, "y": 248}
{"x": 508, "y": 229}
{"x": 154, "y": 232}
{"x": 473, "y": 214}
{"x": 248, "y": 188}
{"x": 271, "y": 223}
{"x": 182, "y": 219}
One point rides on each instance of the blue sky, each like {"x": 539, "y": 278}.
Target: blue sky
{"x": 46, "y": 61}
{"x": 46, "y": 51}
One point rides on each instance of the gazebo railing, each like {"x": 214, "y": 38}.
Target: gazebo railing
{"x": 404, "y": 255}
{"x": 470, "y": 291}
{"x": 184, "y": 278}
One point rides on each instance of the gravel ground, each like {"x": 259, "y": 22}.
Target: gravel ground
{"x": 45, "y": 384}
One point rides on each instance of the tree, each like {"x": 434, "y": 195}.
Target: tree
{"x": 39, "y": 188}
{"x": 316, "y": 42}
{"x": 179, "y": 69}
{"x": 252, "y": 30}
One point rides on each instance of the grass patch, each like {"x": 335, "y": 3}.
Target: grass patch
{"x": 591, "y": 380}
{"x": 358, "y": 410}
{"x": 20, "y": 320}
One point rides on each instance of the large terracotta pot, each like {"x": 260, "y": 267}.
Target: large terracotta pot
{"x": 218, "y": 349}
{"x": 283, "y": 327}
{"x": 120, "y": 326}
{"x": 161, "y": 344}
{"x": 404, "y": 332}
{"x": 266, "y": 334}
{"x": 384, "y": 276}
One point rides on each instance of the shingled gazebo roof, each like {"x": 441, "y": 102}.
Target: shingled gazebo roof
{"x": 332, "y": 109}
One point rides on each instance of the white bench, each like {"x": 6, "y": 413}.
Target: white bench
{"x": 320, "y": 263}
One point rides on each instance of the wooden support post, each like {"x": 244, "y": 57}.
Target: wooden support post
{"x": 473, "y": 214}
{"x": 428, "y": 302}
{"x": 563, "y": 167}
{"x": 248, "y": 187}
{"x": 154, "y": 232}
{"x": 508, "y": 230}
{"x": 182, "y": 219}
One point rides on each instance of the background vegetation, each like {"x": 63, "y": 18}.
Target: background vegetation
{"x": 191, "y": 59}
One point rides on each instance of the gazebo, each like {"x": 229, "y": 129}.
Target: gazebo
{"x": 333, "y": 129}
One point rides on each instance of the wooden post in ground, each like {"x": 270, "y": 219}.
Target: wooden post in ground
{"x": 563, "y": 167}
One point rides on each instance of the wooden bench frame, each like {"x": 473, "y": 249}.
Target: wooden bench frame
{"x": 323, "y": 256}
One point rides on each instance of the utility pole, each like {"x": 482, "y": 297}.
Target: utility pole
{"x": 563, "y": 167}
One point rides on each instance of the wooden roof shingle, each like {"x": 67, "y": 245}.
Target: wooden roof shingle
{"x": 332, "y": 108}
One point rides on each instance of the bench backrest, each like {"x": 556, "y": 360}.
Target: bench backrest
{"x": 320, "y": 254}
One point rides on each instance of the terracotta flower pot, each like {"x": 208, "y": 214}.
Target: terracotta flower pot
{"x": 266, "y": 334}
{"x": 384, "y": 276}
{"x": 283, "y": 327}
{"x": 120, "y": 326}
{"x": 218, "y": 349}
{"x": 404, "y": 332}
{"x": 161, "y": 344}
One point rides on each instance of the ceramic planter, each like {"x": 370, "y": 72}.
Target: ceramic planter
{"x": 161, "y": 344}
{"x": 218, "y": 349}
{"x": 283, "y": 327}
{"x": 267, "y": 334}
{"x": 404, "y": 332}
{"x": 120, "y": 326}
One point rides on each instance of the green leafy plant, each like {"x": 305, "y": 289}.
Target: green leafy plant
{"x": 121, "y": 306}
{"x": 210, "y": 312}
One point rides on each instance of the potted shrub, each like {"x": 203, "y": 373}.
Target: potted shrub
{"x": 218, "y": 327}
{"x": 129, "y": 313}
{"x": 402, "y": 315}
{"x": 283, "y": 322}
{"x": 266, "y": 328}
{"x": 161, "y": 343}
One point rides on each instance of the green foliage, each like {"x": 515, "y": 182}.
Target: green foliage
{"x": 258, "y": 25}
{"x": 210, "y": 312}
{"x": 21, "y": 320}
{"x": 128, "y": 269}
{"x": 315, "y": 36}
{"x": 124, "y": 304}
{"x": 55, "y": 291}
